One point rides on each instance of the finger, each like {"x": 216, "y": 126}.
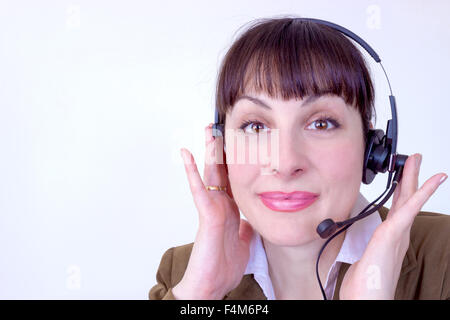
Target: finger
{"x": 212, "y": 173}
{"x": 198, "y": 190}
{"x": 412, "y": 207}
{"x": 397, "y": 192}
{"x": 215, "y": 170}
{"x": 409, "y": 182}
{"x": 245, "y": 231}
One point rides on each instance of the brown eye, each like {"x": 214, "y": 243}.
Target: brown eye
{"x": 324, "y": 124}
{"x": 256, "y": 127}
{"x": 321, "y": 124}
{"x": 252, "y": 127}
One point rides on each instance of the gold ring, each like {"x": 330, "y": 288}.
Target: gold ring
{"x": 216, "y": 188}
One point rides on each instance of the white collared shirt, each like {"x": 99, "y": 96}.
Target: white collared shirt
{"x": 355, "y": 242}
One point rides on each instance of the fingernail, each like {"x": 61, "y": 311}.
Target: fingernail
{"x": 443, "y": 179}
{"x": 209, "y": 136}
{"x": 418, "y": 160}
{"x": 183, "y": 155}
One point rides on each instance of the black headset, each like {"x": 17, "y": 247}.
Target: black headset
{"x": 380, "y": 154}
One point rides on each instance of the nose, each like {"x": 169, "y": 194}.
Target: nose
{"x": 288, "y": 158}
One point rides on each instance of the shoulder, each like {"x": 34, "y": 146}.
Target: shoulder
{"x": 174, "y": 262}
{"x": 430, "y": 238}
{"x": 429, "y": 228}
{"x": 171, "y": 269}
{"x": 428, "y": 255}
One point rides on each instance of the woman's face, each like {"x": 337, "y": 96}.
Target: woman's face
{"x": 318, "y": 148}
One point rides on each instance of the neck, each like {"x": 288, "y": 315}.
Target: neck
{"x": 290, "y": 266}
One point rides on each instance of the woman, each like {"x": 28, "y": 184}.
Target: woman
{"x": 309, "y": 85}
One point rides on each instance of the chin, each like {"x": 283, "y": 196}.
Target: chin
{"x": 286, "y": 228}
{"x": 288, "y": 235}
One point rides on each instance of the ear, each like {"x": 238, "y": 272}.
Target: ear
{"x": 371, "y": 125}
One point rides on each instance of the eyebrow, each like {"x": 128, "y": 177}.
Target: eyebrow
{"x": 309, "y": 100}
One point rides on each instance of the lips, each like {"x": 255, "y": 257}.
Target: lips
{"x": 288, "y": 202}
{"x": 298, "y": 195}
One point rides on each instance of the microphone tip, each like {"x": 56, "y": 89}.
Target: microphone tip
{"x": 326, "y": 228}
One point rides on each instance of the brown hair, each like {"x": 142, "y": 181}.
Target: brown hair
{"x": 289, "y": 58}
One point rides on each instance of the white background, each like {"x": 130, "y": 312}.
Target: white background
{"x": 97, "y": 98}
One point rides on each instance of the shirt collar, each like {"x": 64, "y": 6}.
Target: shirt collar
{"x": 355, "y": 242}
{"x": 358, "y": 235}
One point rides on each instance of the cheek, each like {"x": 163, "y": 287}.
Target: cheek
{"x": 244, "y": 162}
{"x": 242, "y": 182}
{"x": 242, "y": 175}
{"x": 340, "y": 162}
{"x": 244, "y": 170}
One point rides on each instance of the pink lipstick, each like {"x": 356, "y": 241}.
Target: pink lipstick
{"x": 287, "y": 202}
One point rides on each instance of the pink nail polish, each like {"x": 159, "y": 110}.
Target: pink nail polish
{"x": 443, "y": 179}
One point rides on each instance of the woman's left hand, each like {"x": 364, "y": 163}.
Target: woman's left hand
{"x": 376, "y": 274}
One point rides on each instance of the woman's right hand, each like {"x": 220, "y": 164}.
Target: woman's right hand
{"x": 221, "y": 249}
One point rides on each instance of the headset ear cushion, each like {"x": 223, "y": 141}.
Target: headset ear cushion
{"x": 374, "y": 155}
